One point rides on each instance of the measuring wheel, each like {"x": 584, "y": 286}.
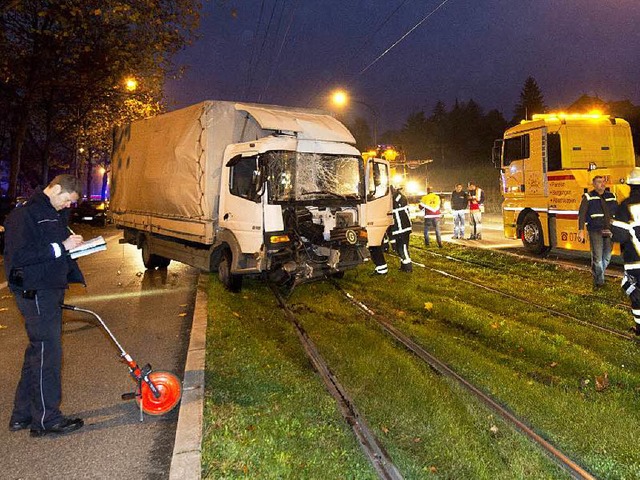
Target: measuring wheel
{"x": 170, "y": 389}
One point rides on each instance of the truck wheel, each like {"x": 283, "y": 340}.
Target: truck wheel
{"x": 151, "y": 260}
{"x": 532, "y": 236}
{"x": 231, "y": 282}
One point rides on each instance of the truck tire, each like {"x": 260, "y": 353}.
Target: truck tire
{"x": 231, "y": 282}
{"x": 151, "y": 260}
{"x": 532, "y": 236}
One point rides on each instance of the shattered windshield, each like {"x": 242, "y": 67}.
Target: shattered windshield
{"x": 295, "y": 176}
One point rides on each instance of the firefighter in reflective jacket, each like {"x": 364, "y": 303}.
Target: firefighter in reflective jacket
{"x": 626, "y": 230}
{"x": 596, "y": 210}
{"x": 401, "y": 229}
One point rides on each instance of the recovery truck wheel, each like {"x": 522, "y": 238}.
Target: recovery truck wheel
{"x": 151, "y": 260}
{"x": 532, "y": 236}
{"x": 231, "y": 282}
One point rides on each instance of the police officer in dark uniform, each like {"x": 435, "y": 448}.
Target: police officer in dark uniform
{"x": 626, "y": 230}
{"x": 38, "y": 271}
{"x": 596, "y": 210}
{"x": 401, "y": 229}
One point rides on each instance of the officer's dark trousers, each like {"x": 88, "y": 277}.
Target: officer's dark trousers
{"x": 39, "y": 390}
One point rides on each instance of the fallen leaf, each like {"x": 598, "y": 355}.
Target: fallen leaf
{"x": 4, "y": 309}
{"x": 553, "y": 364}
{"x": 183, "y": 305}
{"x": 183, "y": 314}
{"x": 236, "y": 314}
{"x": 385, "y": 429}
{"x": 602, "y": 382}
{"x": 3, "y": 326}
{"x": 494, "y": 429}
{"x": 417, "y": 440}
{"x": 428, "y": 306}
{"x": 494, "y": 325}
{"x": 433, "y": 469}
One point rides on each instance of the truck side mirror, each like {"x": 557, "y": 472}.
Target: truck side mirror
{"x": 257, "y": 185}
{"x": 496, "y": 153}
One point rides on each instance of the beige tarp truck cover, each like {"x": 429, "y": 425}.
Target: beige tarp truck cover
{"x": 166, "y": 169}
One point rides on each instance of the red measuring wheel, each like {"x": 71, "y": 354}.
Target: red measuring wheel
{"x": 170, "y": 389}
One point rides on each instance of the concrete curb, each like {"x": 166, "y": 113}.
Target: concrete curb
{"x": 186, "y": 459}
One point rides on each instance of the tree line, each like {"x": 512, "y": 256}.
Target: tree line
{"x": 63, "y": 67}
{"x": 462, "y": 135}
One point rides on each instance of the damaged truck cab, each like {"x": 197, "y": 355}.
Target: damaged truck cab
{"x": 247, "y": 189}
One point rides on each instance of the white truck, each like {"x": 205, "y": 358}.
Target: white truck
{"x": 248, "y": 189}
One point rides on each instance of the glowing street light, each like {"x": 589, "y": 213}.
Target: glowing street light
{"x": 131, "y": 84}
{"x": 340, "y": 98}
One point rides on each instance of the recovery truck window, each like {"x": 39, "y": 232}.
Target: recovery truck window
{"x": 554, "y": 152}
{"x": 516, "y": 148}
{"x": 241, "y": 177}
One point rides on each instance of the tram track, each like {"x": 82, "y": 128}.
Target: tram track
{"x": 439, "y": 366}
{"x": 586, "y": 323}
{"x": 520, "y": 275}
{"x": 369, "y": 443}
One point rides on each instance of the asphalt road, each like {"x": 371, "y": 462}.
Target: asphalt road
{"x": 150, "y": 313}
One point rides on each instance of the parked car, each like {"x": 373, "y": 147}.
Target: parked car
{"x": 91, "y": 211}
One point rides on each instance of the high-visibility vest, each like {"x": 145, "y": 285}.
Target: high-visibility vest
{"x": 431, "y": 204}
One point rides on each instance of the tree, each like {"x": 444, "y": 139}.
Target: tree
{"x": 362, "y": 133}
{"x": 531, "y": 101}
{"x": 62, "y": 65}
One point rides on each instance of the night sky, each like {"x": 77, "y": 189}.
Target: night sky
{"x": 480, "y": 49}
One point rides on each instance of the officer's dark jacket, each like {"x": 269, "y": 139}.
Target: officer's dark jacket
{"x": 29, "y": 257}
{"x": 626, "y": 228}
{"x": 591, "y": 212}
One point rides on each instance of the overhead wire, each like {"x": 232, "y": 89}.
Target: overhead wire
{"x": 248, "y": 80}
{"x": 321, "y": 84}
{"x": 264, "y": 40}
{"x": 403, "y": 37}
{"x": 275, "y": 62}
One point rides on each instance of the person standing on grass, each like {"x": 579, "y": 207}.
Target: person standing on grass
{"x": 430, "y": 203}
{"x": 625, "y": 228}
{"x": 476, "y": 207}
{"x": 596, "y": 210}
{"x": 459, "y": 203}
{"x": 401, "y": 228}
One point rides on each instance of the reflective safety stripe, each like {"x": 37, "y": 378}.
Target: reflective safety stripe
{"x": 593, "y": 215}
{"x": 636, "y": 312}
{"x": 632, "y": 266}
{"x": 382, "y": 268}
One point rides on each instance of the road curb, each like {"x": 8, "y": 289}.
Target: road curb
{"x": 186, "y": 459}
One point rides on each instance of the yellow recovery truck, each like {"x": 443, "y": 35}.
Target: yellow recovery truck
{"x": 547, "y": 163}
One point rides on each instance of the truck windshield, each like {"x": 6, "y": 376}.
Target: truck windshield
{"x": 294, "y": 176}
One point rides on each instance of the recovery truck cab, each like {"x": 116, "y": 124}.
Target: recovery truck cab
{"x": 548, "y": 163}
{"x": 246, "y": 189}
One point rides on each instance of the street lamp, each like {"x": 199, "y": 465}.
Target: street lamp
{"x": 131, "y": 84}
{"x": 340, "y": 98}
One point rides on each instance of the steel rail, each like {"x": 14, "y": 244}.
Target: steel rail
{"x": 557, "y": 313}
{"x": 373, "y": 449}
{"x": 573, "y": 468}
{"x": 526, "y": 277}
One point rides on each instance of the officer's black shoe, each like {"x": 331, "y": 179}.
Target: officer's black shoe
{"x": 66, "y": 425}
{"x": 16, "y": 426}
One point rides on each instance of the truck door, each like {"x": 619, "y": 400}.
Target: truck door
{"x": 241, "y": 209}
{"x": 379, "y": 203}
{"x": 535, "y": 169}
